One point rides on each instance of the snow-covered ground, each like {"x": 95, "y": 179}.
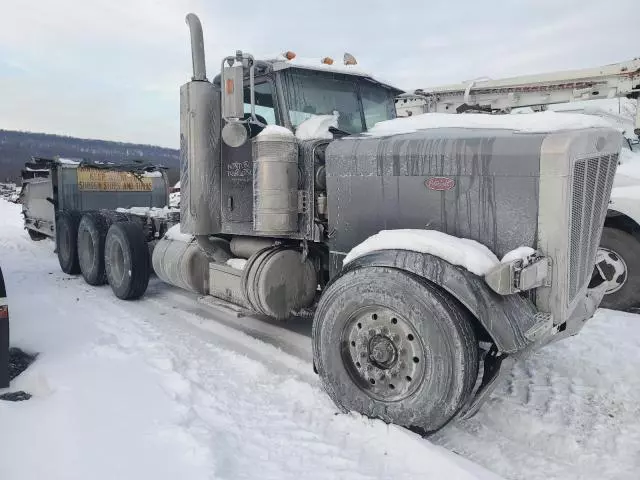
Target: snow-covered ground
{"x": 167, "y": 388}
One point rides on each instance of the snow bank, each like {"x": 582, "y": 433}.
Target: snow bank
{"x": 530, "y": 123}
{"x": 466, "y": 253}
{"x": 160, "y": 389}
{"x": 275, "y": 131}
{"x": 519, "y": 253}
{"x": 237, "y": 263}
{"x": 317, "y": 127}
{"x": 171, "y": 390}
{"x": 174, "y": 233}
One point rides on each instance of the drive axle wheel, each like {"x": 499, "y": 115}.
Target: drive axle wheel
{"x": 393, "y": 346}
{"x": 67, "y": 222}
{"x": 126, "y": 260}
{"x": 92, "y": 233}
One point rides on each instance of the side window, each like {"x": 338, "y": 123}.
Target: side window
{"x": 378, "y": 105}
{"x": 265, "y": 109}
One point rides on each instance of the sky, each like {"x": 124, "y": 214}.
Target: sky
{"x": 111, "y": 69}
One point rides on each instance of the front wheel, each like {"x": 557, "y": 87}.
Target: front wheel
{"x": 393, "y": 346}
{"x": 618, "y": 265}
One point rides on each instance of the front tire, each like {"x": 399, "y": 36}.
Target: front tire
{"x": 391, "y": 345}
{"x": 126, "y": 259}
{"x": 618, "y": 263}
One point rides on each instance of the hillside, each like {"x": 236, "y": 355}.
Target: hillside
{"x": 16, "y": 148}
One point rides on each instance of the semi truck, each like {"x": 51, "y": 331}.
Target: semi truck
{"x": 569, "y": 91}
{"x": 413, "y": 334}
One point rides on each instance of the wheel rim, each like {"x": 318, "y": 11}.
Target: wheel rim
{"x": 612, "y": 268}
{"x": 383, "y": 353}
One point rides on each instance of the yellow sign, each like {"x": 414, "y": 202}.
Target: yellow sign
{"x": 98, "y": 180}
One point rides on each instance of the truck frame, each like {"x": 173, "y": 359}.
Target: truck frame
{"x": 270, "y": 207}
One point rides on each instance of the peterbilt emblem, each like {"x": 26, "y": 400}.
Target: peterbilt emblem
{"x": 440, "y": 183}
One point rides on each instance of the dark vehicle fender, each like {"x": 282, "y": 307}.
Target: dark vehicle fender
{"x": 505, "y": 318}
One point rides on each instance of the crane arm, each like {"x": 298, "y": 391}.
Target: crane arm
{"x": 609, "y": 81}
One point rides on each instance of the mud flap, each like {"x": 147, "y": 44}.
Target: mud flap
{"x": 496, "y": 366}
{"x": 4, "y": 335}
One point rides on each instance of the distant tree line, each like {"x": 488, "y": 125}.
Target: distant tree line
{"x": 17, "y": 148}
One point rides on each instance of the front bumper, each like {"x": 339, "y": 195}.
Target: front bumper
{"x": 497, "y": 366}
{"x": 583, "y": 312}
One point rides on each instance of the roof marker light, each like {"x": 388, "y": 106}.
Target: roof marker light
{"x": 350, "y": 59}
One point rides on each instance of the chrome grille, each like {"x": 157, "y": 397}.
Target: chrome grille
{"x": 591, "y": 188}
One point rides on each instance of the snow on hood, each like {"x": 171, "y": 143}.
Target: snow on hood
{"x": 540, "y": 122}
{"x": 466, "y": 253}
{"x": 317, "y": 127}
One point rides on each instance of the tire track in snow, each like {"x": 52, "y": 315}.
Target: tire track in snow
{"x": 249, "y": 410}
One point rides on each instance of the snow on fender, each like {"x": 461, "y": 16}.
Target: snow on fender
{"x": 466, "y": 253}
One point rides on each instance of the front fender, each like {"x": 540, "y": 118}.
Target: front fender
{"x": 506, "y": 318}
{"x": 624, "y": 200}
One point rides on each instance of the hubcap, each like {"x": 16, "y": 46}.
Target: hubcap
{"x": 383, "y": 353}
{"x": 612, "y": 268}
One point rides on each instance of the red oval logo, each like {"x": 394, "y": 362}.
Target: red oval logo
{"x": 440, "y": 183}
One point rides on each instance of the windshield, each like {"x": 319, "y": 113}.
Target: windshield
{"x": 359, "y": 102}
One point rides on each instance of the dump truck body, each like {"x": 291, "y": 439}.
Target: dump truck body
{"x": 51, "y": 185}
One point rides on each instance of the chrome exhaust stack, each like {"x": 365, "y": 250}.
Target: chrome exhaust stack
{"x": 197, "y": 48}
{"x": 199, "y": 145}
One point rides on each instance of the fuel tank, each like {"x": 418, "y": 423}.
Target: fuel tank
{"x": 181, "y": 263}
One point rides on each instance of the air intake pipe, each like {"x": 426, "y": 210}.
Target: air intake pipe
{"x": 197, "y": 48}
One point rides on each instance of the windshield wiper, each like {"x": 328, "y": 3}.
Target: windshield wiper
{"x": 339, "y": 131}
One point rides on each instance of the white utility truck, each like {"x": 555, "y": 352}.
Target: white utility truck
{"x": 570, "y": 91}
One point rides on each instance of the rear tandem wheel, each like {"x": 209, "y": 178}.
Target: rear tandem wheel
{"x": 126, "y": 259}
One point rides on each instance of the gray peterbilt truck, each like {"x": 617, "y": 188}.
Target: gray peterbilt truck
{"x": 400, "y": 335}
